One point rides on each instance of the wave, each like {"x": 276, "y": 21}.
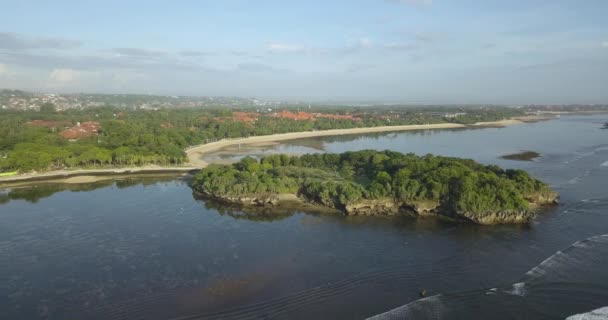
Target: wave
{"x": 579, "y": 178}
{"x": 597, "y": 314}
{"x": 569, "y": 283}
{"x": 585, "y": 154}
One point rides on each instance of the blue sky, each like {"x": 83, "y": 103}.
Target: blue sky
{"x": 412, "y": 51}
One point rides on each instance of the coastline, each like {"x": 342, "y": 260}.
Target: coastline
{"x": 90, "y": 175}
{"x": 195, "y": 153}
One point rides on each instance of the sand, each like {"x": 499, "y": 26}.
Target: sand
{"x": 90, "y": 175}
{"x": 195, "y": 153}
{"x": 85, "y": 179}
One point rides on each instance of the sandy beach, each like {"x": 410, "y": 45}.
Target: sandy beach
{"x": 91, "y": 175}
{"x": 196, "y": 153}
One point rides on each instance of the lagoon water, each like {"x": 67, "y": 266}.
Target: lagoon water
{"x": 145, "y": 248}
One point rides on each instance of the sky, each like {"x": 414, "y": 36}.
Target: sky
{"x": 405, "y": 51}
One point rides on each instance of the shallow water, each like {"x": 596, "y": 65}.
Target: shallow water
{"x": 146, "y": 249}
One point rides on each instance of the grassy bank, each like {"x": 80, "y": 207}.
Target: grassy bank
{"x": 8, "y": 174}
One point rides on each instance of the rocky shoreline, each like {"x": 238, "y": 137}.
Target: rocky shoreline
{"x": 390, "y": 207}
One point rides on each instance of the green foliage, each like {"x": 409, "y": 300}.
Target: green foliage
{"x": 7, "y": 174}
{"x": 35, "y": 156}
{"x": 486, "y": 116}
{"x": 336, "y": 180}
{"x": 47, "y": 107}
{"x": 140, "y": 137}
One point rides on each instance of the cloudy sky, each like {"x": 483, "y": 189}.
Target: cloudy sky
{"x": 413, "y": 51}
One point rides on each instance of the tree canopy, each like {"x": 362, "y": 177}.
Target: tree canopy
{"x": 338, "y": 180}
{"x": 31, "y": 140}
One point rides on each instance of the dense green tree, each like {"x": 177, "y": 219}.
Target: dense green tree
{"x": 459, "y": 185}
{"x": 47, "y": 107}
{"x": 140, "y": 137}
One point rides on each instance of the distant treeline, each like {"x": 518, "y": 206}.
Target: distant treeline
{"x": 141, "y": 137}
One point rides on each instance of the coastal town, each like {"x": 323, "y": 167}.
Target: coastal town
{"x": 295, "y": 110}
{"x": 22, "y": 100}
{"x": 52, "y": 111}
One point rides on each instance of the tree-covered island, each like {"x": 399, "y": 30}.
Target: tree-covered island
{"x": 381, "y": 183}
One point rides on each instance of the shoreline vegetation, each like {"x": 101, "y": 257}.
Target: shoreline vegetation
{"x": 195, "y": 153}
{"x": 372, "y": 182}
{"x": 44, "y": 139}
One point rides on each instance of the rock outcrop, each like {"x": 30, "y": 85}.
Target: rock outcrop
{"x": 388, "y": 207}
{"x": 373, "y": 208}
{"x": 257, "y": 200}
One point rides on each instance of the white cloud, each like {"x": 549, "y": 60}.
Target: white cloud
{"x": 604, "y": 44}
{"x": 17, "y": 42}
{"x": 124, "y": 77}
{"x": 258, "y": 67}
{"x": 353, "y": 68}
{"x": 285, "y": 48}
{"x": 401, "y": 46}
{"x": 418, "y": 3}
{"x": 6, "y": 72}
{"x": 63, "y": 76}
{"x": 138, "y": 52}
{"x": 194, "y": 53}
{"x": 364, "y": 43}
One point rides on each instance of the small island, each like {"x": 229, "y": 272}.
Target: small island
{"x": 371, "y": 182}
{"x": 522, "y": 156}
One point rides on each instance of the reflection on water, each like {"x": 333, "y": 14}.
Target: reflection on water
{"x": 148, "y": 249}
{"x": 262, "y": 213}
{"x": 33, "y": 193}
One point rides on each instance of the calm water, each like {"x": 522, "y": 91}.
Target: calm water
{"x": 146, "y": 249}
